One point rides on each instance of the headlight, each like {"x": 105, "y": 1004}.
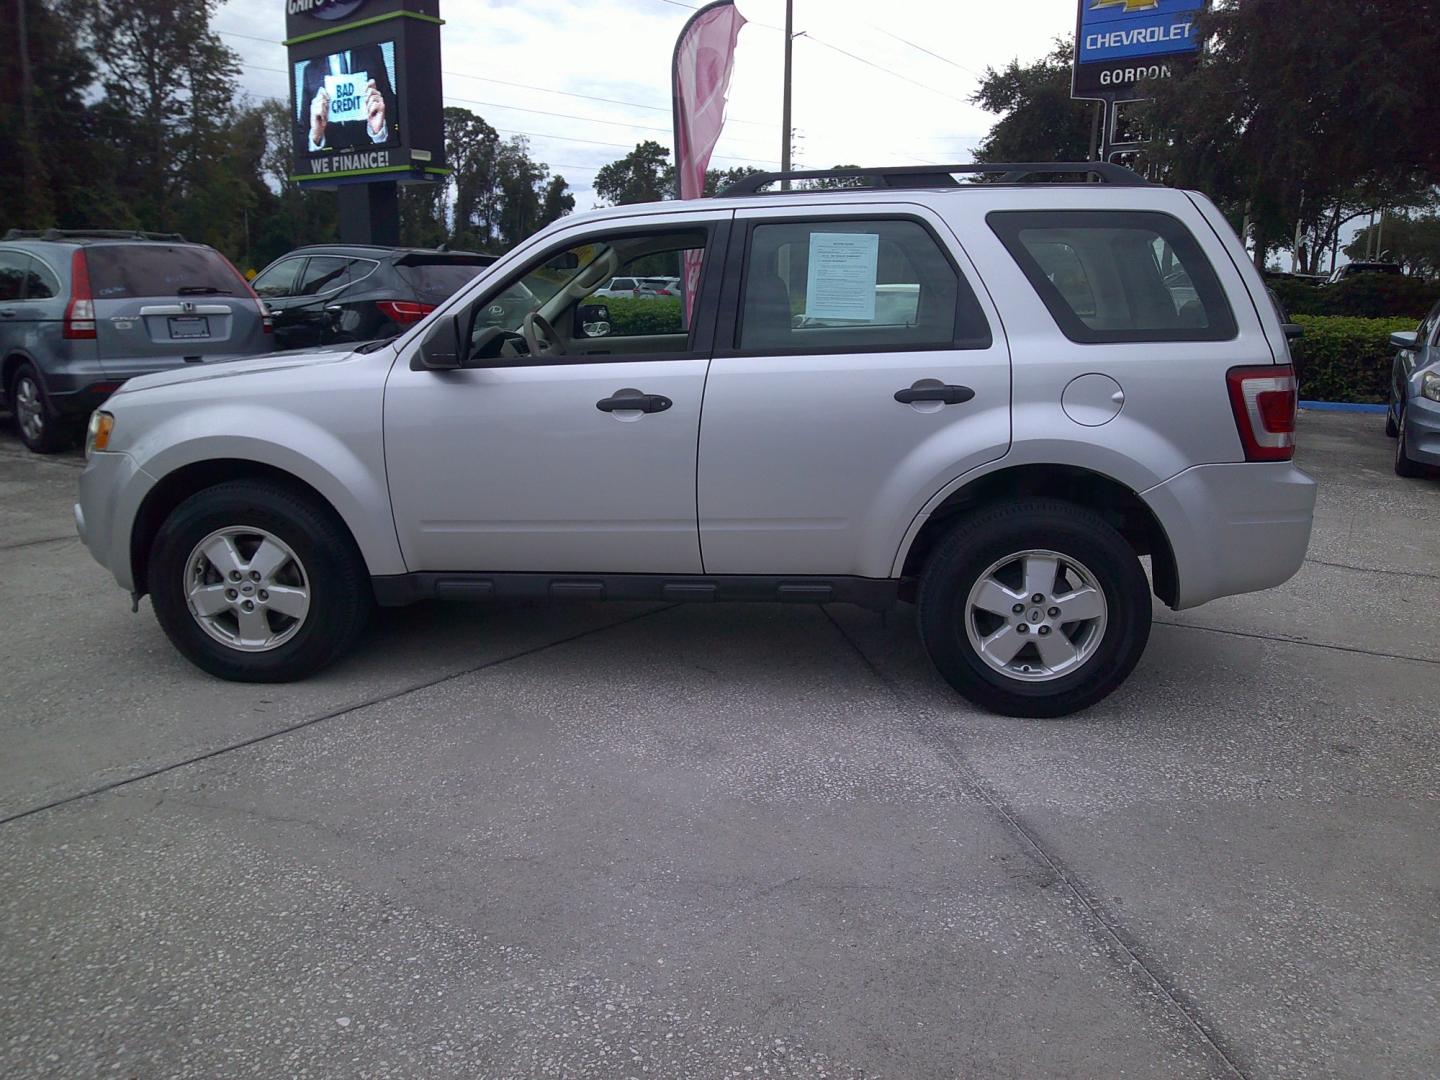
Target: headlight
{"x": 1430, "y": 386}
{"x": 97, "y": 435}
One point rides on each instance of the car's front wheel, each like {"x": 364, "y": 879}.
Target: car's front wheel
{"x": 258, "y": 582}
{"x": 1404, "y": 465}
{"x": 1036, "y": 608}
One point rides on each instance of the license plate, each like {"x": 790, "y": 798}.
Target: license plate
{"x": 189, "y": 326}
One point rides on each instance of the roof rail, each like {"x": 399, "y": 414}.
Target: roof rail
{"x": 92, "y": 234}
{"x": 932, "y": 176}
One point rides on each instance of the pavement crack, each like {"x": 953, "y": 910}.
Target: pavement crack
{"x": 1374, "y": 569}
{"x": 334, "y": 714}
{"x": 36, "y": 543}
{"x": 1104, "y": 922}
{"x": 1299, "y": 641}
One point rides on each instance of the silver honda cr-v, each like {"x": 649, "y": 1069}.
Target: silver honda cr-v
{"x": 999, "y": 401}
{"x": 83, "y": 311}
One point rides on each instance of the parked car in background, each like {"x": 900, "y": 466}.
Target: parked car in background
{"x": 328, "y": 293}
{"x": 1413, "y": 418}
{"x": 658, "y": 287}
{"x": 619, "y": 288}
{"x": 1353, "y": 269}
{"x": 82, "y": 311}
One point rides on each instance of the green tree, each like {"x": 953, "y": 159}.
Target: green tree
{"x": 1039, "y": 121}
{"x": 1300, "y": 113}
{"x": 472, "y": 148}
{"x": 1413, "y": 242}
{"x": 521, "y": 182}
{"x": 557, "y": 201}
{"x": 169, "y": 101}
{"x": 643, "y": 175}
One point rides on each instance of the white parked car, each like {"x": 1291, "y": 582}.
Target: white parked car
{"x": 1044, "y": 418}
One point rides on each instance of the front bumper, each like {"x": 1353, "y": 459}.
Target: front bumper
{"x": 1234, "y": 528}
{"x": 112, "y": 488}
{"x": 1422, "y": 430}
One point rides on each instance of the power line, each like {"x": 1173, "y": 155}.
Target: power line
{"x": 878, "y": 67}
{"x": 504, "y": 82}
{"x": 927, "y": 52}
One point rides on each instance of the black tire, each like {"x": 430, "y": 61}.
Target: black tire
{"x": 989, "y": 535}
{"x": 47, "y": 432}
{"x": 340, "y": 596}
{"x": 1392, "y": 429}
{"x": 1405, "y": 467}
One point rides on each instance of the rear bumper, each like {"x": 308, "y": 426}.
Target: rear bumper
{"x": 112, "y": 488}
{"x": 1234, "y": 528}
{"x": 1422, "y": 430}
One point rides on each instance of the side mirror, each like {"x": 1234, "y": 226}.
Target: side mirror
{"x": 1292, "y": 330}
{"x": 442, "y": 349}
{"x": 1404, "y": 339}
{"x": 591, "y": 321}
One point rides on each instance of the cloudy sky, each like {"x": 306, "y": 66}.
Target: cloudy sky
{"x": 875, "y": 83}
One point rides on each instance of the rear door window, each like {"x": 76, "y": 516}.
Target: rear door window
{"x": 13, "y": 265}
{"x": 120, "y": 271}
{"x": 325, "y": 273}
{"x": 1118, "y": 275}
{"x": 854, "y": 284}
{"x": 40, "y": 281}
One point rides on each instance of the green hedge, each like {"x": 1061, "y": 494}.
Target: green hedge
{"x": 1345, "y": 359}
{"x": 629, "y": 316}
{"x": 1370, "y": 296}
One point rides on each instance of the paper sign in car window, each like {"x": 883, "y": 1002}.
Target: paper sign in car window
{"x": 841, "y": 279}
{"x": 347, "y": 96}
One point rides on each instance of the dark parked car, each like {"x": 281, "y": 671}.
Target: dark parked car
{"x": 1353, "y": 269}
{"x": 353, "y": 292}
{"x": 81, "y": 311}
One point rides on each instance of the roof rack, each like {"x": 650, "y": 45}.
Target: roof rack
{"x": 933, "y": 176}
{"x": 92, "y": 234}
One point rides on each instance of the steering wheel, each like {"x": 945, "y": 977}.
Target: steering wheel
{"x": 540, "y": 337}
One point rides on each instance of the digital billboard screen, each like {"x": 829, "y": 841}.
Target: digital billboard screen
{"x": 1119, "y": 43}
{"x": 347, "y": 100}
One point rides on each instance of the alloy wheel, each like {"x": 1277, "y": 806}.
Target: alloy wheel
{"x": 29, "y": 409}
{"x": 1035, "y": 615}
{"x": 247, "y": 589}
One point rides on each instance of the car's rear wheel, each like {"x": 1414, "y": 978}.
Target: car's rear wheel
{"x": 40, "y": 428}
{"x": 1036, "y": 607}
{"x": 1404, "y": 465}
{"x": 258, "y": 582}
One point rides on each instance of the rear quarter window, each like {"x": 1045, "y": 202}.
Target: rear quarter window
{"x": 120, "y": 271}
{"x": 1118, "y": 275}
{"x": 440, "y": 278}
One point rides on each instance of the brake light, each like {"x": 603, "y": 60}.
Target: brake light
{"x": 80, "y": 311}
{"x": 1263, "y": 400}
{"x": 403, "y": 312}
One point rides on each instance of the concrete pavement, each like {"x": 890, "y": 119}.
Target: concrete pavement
{"x": 728, "y": 840}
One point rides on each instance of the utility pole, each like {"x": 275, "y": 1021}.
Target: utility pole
{"x": 785, "y": 106}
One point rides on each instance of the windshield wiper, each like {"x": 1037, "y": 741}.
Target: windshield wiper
{"x": 202, "y": 290}
{"x": 372, "y": 346}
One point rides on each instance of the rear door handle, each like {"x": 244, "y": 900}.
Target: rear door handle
{"x": 634, "y": 401}
{"x": 950, "y": 395}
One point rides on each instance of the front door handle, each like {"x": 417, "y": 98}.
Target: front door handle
{"x": 634, "y": 401}
{"x": 950, "y": 395}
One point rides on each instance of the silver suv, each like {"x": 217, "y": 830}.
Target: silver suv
{"x": 1059, "y": 409}
{"x": 82, "y": 311}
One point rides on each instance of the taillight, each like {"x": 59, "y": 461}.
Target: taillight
{"x": 267, "y": 321}
{"x": 80, "y": 311}
{"x": 1263, "y": 399}
{"x": 403, "y": 312}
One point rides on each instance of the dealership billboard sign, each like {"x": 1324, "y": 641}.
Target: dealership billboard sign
{"x": 365, "y": 94}
{"x": 1121, "y": 43}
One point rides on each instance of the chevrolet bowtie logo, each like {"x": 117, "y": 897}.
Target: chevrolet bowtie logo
{"x": 1130, "y": 5}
